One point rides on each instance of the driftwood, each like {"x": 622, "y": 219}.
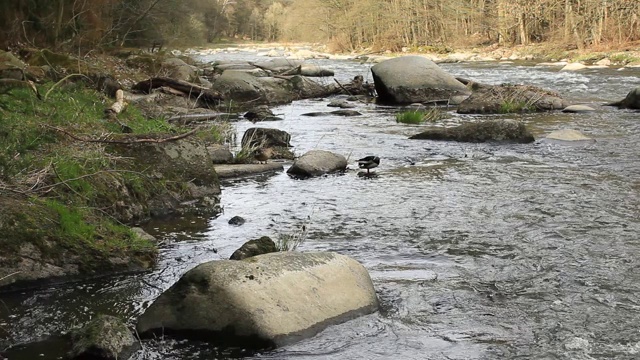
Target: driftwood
{"x": 117, "y": 107}
{"x": 205, "y": 96}
{"x": 132, "y": 141}
{"x": 357, "y": 86}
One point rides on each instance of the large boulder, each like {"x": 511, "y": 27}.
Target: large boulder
{"x": 263, "y": 245}
{"x": 105, "y": 337}
{"x": 179, "y": 70}
{"x": 505, "y": 130}
{"x": 245, "y": 88}
{"x": 317, "y": 163}
{"x": 411, "y": 79}
{"x": 632, "y": 101}
{"x": 183, "y": 161}
{"x": 266, "y": 300}
{"x": 265, "y": 138}
{"x": 506, "y": 98}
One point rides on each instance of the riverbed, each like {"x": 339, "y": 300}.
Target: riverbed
{"x": 476, "y": 251}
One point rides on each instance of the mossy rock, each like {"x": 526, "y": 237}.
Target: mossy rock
{"x": 104, "y": 337}
{"x": 151, "y": 64}
{"x": 41, "y": 239}
{"x": 263, "y": 245}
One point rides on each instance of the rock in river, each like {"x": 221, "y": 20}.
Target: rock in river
{"x": 493, "y": 130}
{"x": 317, "y": 163}
{"x": 105, "y": 337}
{"x": 263, "y": 301}
{"x": 411, "y": 79}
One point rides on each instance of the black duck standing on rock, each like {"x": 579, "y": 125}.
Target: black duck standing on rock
{"x": 368, "y": 162}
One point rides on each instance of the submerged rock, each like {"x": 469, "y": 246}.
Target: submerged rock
{"x": 483, "y": 131}
{"x": 263, "y": 245}
{"x": 237, "y": 221}
{"x": 263, "y": 301}
{"x": 578, "y": 109}
{"x": 317, "y": 163}
{"x": 567, "y": 135}
{"x": 411, "y": 79}
{"x": 632, "y": 101}
{"x": 105, "y": 337}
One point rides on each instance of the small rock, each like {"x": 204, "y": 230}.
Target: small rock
{"x": 341, "y": 104}
{"x": 220, "y": 154}
{"x": 574, "y": 67}
{"x": 237, "y": 221}
{"x": 567, "y": 135}
{"x": 263, "y": 245}
{"x": 603, "y": 62}
{"x": 105, "y": 337}
{"x": 578, "y": 109}
{"x": 317, "y": 163}
{"x": 143, "y": 234}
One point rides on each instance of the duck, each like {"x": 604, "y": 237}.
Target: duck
{"x": 263, "y": 154}
{"x": 368, "y": 162}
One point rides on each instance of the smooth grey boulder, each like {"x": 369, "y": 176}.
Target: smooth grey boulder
{"x": 220, "y": 154}
{"x": 315, "y": 71}
{"x": 179, "y": 70}
{"x": 245, "y": 88}
{"x": 578, "y": 109}
{"x": 411, "y": 79}
{"x": 631, "y": 101}
{"x": 505, "y": 130}
{"x": 105, "y": 337}
{"x": 277, "y": 64}
{"x": 262, "y": 245}
{"x": 317, "y": 163}
{"x": 263, "y": 301}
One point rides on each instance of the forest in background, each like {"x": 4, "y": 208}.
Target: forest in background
{"x": 344, "y": 25}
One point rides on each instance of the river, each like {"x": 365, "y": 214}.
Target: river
{"x": 476, "y": 251}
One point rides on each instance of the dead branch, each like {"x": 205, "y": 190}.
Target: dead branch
{"x": 134, "y": 141}
{"x": 207, "y": 97}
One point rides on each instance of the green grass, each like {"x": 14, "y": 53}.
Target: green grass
{"x": 291, "y": 241}
{"x": 420, "y": 116}
{"x": 624, "y": 59}
{"x": 512, "y": 106}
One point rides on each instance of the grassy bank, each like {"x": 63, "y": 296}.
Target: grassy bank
{"x": 67, "y": 196}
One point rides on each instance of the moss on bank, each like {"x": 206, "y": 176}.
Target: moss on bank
{"x": 66, "y": 194}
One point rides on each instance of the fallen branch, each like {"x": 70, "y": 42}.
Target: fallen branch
{"x": 10, "y": 275}
{"x": 135, "y": 141}
{"x": 205, "y": 96}
{"x": 117, "y": 107}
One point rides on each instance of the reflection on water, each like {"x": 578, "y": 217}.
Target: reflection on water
{"x": 477, "y": 251}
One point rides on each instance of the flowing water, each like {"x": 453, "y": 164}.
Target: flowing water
{"x": 476, "y": 251}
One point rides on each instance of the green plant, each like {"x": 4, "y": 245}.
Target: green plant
{"x": 291, "y": 241}
{"x": 420, "y": 116}
{"x": 509, "y": 106}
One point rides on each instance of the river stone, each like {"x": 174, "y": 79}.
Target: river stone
{"x": 179, "y": 70}
{"x": 567, "y": 135}
{"x": 315, "y": 71}
{"x": 578, "y": 109}
{"x": 237, "y": 221}
{"x": 267, "y": 300}
{"x": 242, "y": 87}
{"x": 574, "y": 67}
{"x": 632, "y": 101}
{"x": 505, "y": 98}
{"x": 265, "y": 138}
{"x": 343, "y": 104}
{"x": 505, "y": 130}
{"x": 317, "y": 163}
{"x": 220, "y": 154}
{"x": 263, "y": 245}
{"x": 411, "y": 79}
{"x": 105, "y": 337}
